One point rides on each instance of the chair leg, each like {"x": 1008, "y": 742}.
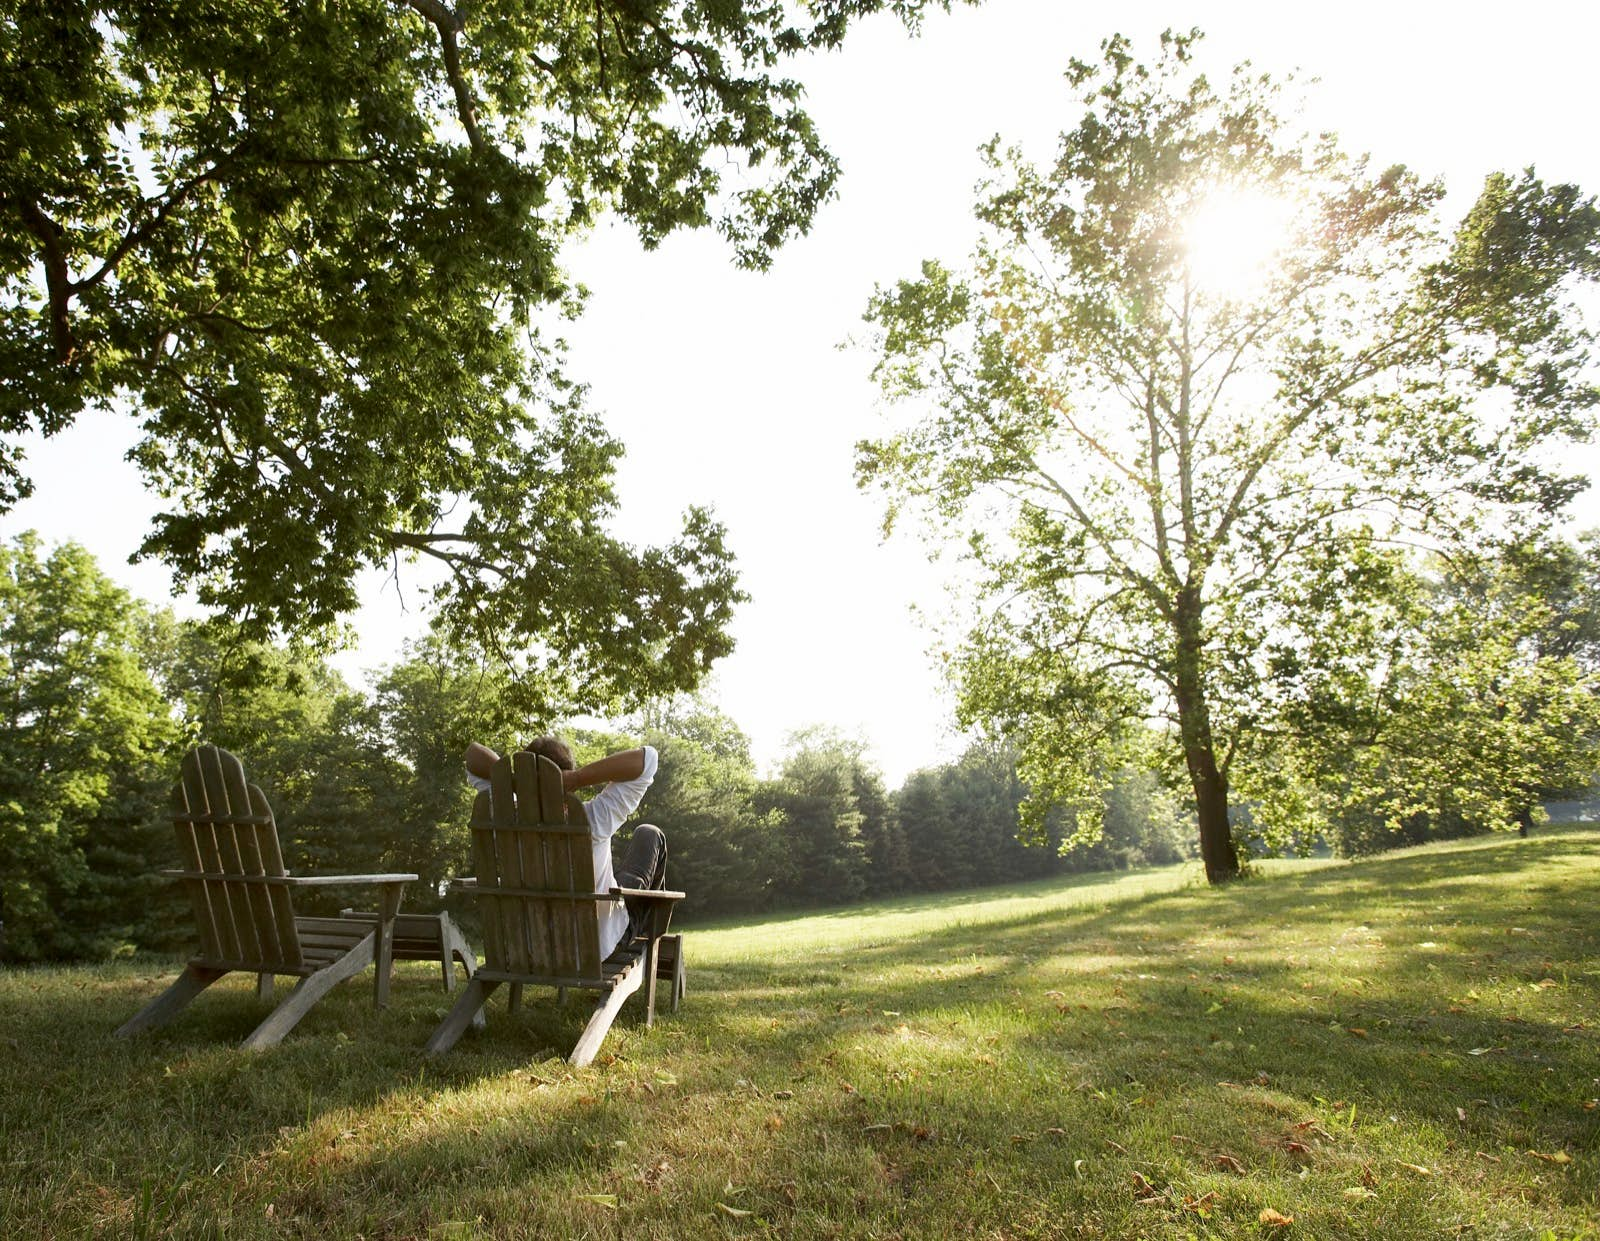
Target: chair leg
{"x": 516, "y": 997}
{"x": 172, "y": 1001}
{"x": 468, "y": 1010}
{"x": 453, "y": 947}
{"x": 307, "y": 992}
{"x": 605, "y": 1012}
{"x": 651, "y": 957}
{"x": 383, "y": 949}
{"x": 264, "y": 986}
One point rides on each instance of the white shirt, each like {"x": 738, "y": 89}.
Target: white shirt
{"x": 607, "y": 810}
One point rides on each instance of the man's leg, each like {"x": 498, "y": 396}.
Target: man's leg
{"x": 644, "y": 865}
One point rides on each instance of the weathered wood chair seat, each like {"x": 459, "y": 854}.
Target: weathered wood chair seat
{"x": 233, "y": 871}
{"x": 535, "y": 890}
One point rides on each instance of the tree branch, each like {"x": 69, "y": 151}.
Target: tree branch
{"x": 450, "y": 24}
{"x": 58, "y": 283}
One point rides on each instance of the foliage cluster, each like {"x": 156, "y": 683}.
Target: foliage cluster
{"x": 315, "y": 250}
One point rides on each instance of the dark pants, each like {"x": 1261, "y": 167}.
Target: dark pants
{"x": 644, "y": 865}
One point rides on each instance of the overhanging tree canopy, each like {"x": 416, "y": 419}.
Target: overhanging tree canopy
{"x": 303, "y": 244}
{"x": 1176, "y": 466}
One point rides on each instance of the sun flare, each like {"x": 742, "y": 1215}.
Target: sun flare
{"x": 1233, "y": 240}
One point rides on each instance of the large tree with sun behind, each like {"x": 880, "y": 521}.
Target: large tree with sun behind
{"x": 1205, "y": 385}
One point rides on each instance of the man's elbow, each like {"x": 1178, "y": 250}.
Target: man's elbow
{"x": 480, "y": 760}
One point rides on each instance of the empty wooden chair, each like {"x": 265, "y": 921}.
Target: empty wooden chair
{"x": 233, "y": 871}
{"x": 535, "y": 890}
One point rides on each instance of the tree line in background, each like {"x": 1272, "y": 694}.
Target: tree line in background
{"x": 103, "y": 693}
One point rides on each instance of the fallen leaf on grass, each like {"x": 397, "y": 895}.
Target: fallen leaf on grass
{"x": 783, "y": 1094}
{"x": 736, "y": 1212}
{"x": 1357, "y": 1193}
{"x": 1415, "y": 1167}
{"x": 1358, "y": 1031}
{"x": 1274, "y": 1219}
{"x": 1229, "y": 1164}
{"x": 1590, "y": 1104}
{"x": 1558, "y": 1157}
{"x": 609, "y": 1201}
{"x": 1143, "y": 1189}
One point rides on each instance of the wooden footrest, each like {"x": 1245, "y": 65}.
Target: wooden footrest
{"x": 425, "y": 937}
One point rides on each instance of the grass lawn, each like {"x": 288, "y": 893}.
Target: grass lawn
{"x": 1403, "y": 1047}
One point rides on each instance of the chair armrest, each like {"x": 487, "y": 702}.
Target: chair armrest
{"x": 285, "y": 881}
{"x": 311, "y": 881}
{"x": 658, "y": 894}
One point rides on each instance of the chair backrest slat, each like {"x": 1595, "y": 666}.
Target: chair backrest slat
{"x": 586, "y": 922}
{"x": 222, "y": 896}
{"x": 487, "y": 869}
{"x": 507, "y": 860}
{"x": 528, "y": 834}
{"x": 280, "y": 907}
{"x": 249, "y": 908}
{"x": 530, "y": 845}
{"x": 188, "y": 798}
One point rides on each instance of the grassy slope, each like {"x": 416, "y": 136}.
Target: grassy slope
{"x": 1405, "y": 1047}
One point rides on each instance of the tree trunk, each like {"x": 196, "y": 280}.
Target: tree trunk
{"x": 1199, "y": 751}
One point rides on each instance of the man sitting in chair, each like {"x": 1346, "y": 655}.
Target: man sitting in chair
{"x": 626, "y": 775}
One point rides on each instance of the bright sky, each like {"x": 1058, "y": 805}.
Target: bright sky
{"x": 729, "y": 389}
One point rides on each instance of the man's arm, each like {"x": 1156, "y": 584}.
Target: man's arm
{"x": 481, "y": 760}
{"x": 623, "y": 765}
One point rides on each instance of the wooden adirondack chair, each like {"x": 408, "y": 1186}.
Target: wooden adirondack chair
{"x": 233, "y": 870}
{"x": 540, "y": 912}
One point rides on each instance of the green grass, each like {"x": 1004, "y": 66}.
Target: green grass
{"x": 1404, "y": 1047}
